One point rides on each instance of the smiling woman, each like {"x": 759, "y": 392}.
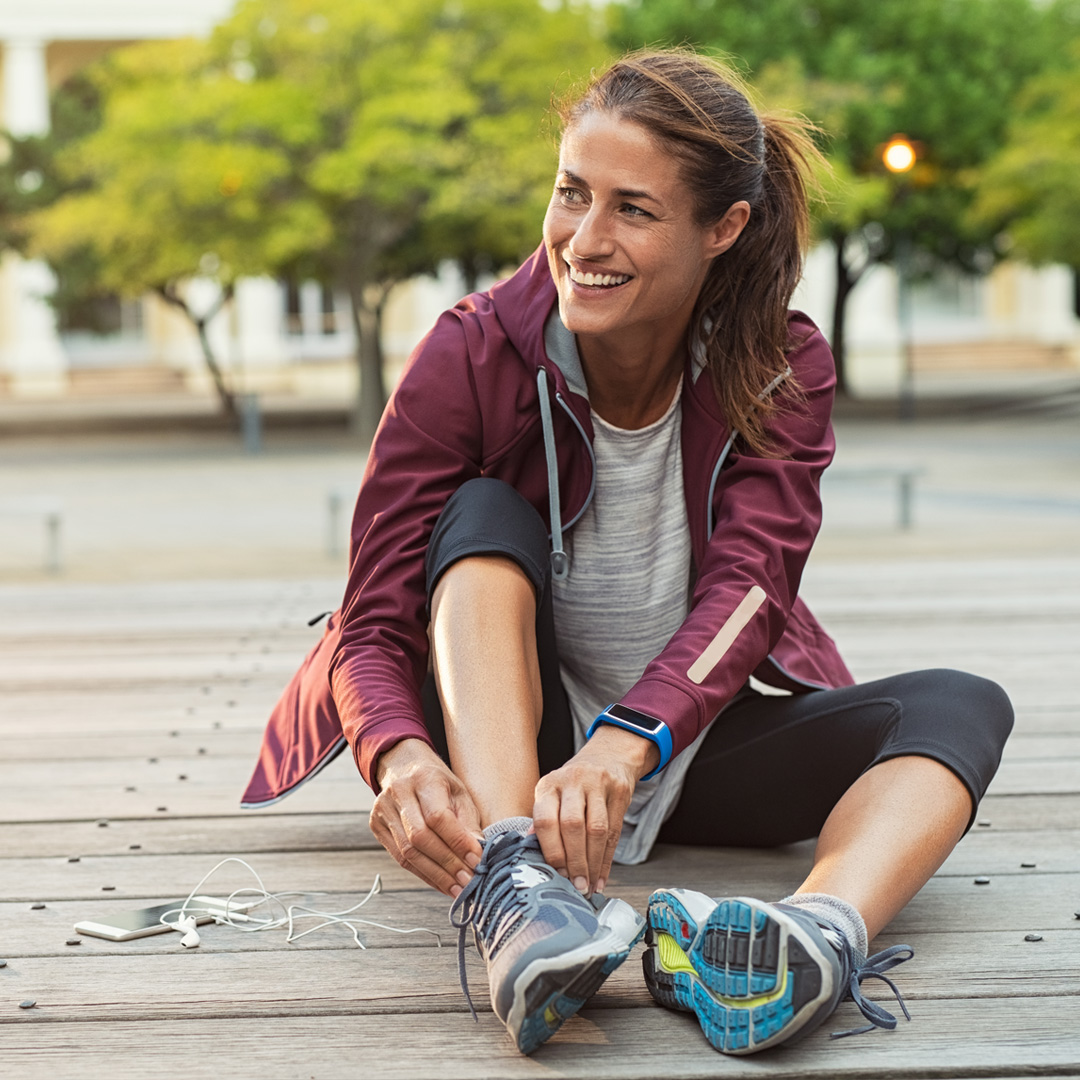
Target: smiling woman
{"x": 570, "y": 553}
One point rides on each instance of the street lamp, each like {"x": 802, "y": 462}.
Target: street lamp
{"x": 899, "y": 158}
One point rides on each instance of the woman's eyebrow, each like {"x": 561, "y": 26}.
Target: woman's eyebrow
{"x": 623, "y": 193}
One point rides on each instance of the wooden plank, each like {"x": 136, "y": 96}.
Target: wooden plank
{"x": 1014, "y": 898}
{"x": 1029, "y": 811}
{"x": 337, "y": 980}
{"x": 1016, "y": 1036}
{"x": 247, "y": 831}
{"x": 95, "y": 788}
{"x": 74, "y": 794}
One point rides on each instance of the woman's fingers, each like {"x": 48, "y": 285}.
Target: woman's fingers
{"x": 578, "y": 818}
{"x": 428, "y": 827}
{"x": 572, "y": 830}
{"x": 597, "y": 835}
{"x": 546, "y": 825}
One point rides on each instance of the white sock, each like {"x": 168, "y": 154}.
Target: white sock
{"x": 508, "y": 824}
{"x": 839, "y": 912}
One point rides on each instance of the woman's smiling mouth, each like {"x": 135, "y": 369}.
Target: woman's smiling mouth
{"x": 604, "y": 280}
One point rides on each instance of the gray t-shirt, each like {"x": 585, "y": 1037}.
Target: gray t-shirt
{"x": 626, "y": 594}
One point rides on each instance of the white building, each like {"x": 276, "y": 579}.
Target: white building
{"x": 299, "y": 339}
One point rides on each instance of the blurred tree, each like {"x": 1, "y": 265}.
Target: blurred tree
{"x": 1031, "y": 188}
{"x": 347, "y": 141}
{"x": 944, "y": 72}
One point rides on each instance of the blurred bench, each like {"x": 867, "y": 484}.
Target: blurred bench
{"x": 50, "y": 512}
{"x": 903, "y": 477}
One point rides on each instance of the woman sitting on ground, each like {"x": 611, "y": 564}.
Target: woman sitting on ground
{"x": 581, "y": 531}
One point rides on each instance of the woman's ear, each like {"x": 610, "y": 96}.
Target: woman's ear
{"x": 728, "y": 229}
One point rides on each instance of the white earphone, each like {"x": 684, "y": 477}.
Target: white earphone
{"x": 191, "y": 939}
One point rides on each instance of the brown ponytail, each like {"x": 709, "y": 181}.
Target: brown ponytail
{"x": 701, "y": 109}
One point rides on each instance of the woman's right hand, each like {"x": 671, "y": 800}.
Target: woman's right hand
{"x": 425, "y": 817}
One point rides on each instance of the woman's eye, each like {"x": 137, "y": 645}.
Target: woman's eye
{"x": 635, "y": 211}
{"x": 570, "y": 195}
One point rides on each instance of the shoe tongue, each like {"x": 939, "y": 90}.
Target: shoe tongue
{"x": 526, "y": 876}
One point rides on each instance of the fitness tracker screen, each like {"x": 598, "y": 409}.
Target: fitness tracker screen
{"x": 638, "y": 719}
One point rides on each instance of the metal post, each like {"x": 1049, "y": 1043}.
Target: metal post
{"x": 52, "y": 542}
{"x": 333, "y": 524}
{"x": 250, "y": 422}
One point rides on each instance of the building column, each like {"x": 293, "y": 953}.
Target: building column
{"x": 30, "y": 351}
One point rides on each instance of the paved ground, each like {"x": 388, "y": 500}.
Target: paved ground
{"x": 999, "y": 478}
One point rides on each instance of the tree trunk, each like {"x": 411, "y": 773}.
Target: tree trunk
{"x": 201, "y": 322}
{"x": 847, "y": 277}
{"x": 367, "y": 309}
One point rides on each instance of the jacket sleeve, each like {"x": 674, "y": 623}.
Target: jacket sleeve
{"x": 427, "y": 446}
{"x": 768, "y": 511}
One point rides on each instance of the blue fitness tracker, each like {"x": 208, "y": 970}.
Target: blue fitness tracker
{"x": 648, "y": 727}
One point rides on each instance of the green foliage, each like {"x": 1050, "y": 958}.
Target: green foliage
{"x": 1032, "y": 186}
{"x": 351, "y": 141}
{"x": 946, "y": 73}
{"x": 29, "y": 179}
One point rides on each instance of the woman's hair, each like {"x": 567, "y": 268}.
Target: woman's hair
{"x": 699, "y": 108}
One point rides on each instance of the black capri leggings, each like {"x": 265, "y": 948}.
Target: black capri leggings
{"x": 771, "y": 767}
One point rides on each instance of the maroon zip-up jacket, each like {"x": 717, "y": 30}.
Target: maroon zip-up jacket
{"x": 468, "y": 405}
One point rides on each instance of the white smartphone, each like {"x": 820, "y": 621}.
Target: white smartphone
{"x": 127, "y": 925}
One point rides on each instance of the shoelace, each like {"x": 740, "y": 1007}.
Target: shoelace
{"x": 489, "y": 898}
{"x": 874, "y": 967}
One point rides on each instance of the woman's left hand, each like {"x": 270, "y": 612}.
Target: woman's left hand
{"x": 578, "y": 809}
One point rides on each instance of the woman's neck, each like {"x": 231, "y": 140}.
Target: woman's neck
{"x": 630, "y": 386}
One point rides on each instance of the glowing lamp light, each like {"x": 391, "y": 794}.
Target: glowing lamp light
{"x": 898, "y": 155}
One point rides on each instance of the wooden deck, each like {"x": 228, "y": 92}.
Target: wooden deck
{"x": 130, "y": 716}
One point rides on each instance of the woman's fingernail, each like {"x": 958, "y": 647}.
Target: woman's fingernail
{"x": 600, "y": 885}
{"x": 472, "y": 860}
{"x": 464, "y": 877}
{"x": 455, "y": 891}
{"x": 563, "y": 872}
{"x": 581, "y": 884}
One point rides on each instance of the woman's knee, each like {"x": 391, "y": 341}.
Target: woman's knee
{"x": 983, "y": 702}
{"x": 487, "y": 517}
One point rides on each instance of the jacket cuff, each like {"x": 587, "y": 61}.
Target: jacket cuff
{"x": 681, "y": 711}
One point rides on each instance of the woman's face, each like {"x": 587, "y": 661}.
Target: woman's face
{"x": 622, "y": 243}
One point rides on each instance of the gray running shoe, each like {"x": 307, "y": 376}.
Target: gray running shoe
{"x": 547, "y": 947}
{"x": 757, "y": 974}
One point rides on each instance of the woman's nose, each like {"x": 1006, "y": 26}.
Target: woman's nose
{"x": 592, "y": 238}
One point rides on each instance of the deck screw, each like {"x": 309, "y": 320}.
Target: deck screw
{"x": 73, "y": 941}
{"x": 182, "y": 776}
{"x": 984, "y": 824}
{"x": 131, "y": 789}
{"x": 108, "y": 888}
{"x": 27, "y": 1004}
{"x": 217, "y": 725}
{"x": 162, "y": 809}
{"x": 103, "y": 823}
{"x": 73, "y": 858}
{"x": 202, "y": 750}
{"x": 982, "y": 881}
{"x": 37, "y": 907}
{"x": 174, "y": 734}
{"x": 1027, "y": 866}
{"x": 3, "y": 963}
{"x": 134, "y": 847}
{"x": 1033, "y": 937}
{"x": 151, "y": 760}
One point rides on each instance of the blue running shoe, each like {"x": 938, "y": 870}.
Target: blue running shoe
{"x": 757, "y": 974}
{"x": 547, "y": 947}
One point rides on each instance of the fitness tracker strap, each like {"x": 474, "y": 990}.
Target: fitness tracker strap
{"x": 648, "y": 727}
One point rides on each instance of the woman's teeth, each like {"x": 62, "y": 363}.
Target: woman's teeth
{"x": 597, "y": 279}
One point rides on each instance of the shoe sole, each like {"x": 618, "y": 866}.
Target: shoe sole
{"x": 753, "y": 976}
{"x": 550, "y": 990}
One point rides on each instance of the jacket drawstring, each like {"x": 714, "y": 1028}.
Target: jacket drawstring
{"x": 560, "y": 561}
